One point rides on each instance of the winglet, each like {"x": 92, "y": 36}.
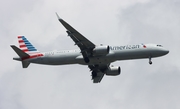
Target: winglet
{"x": 58, "y": 16}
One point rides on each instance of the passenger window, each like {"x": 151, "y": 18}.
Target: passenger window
{"x": 159, "y": 45}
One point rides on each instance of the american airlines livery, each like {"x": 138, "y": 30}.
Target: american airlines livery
{"x": 97, "y": 58}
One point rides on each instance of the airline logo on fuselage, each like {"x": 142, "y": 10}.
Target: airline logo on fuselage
{"x": 124, "y": 47}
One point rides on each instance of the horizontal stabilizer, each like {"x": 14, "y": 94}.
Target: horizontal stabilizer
{"x": 25, "y": 64}
{"x": 19, "y": 52}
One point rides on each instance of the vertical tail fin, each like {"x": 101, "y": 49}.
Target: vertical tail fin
{"x": 26, "y": 46}
{"x": 26, "y": 51}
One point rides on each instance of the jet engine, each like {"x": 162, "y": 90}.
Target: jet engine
{"x": 113, "y": 71}
{"x": 101, "y": 50}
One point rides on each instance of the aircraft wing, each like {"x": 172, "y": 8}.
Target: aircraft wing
{"x": 83, "y": 43}
{"x": 98, "y": 72}
{"x": 86, "y": 48}
{"x": 98, "y": 78}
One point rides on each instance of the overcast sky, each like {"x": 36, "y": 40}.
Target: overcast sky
{"x": 111, "y": 22}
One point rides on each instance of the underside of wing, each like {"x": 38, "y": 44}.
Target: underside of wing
{"x": 98, "y": 77}
{"x": 98, "y": 72}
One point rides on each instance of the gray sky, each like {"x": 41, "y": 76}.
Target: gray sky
{"x": 115, "y": 22}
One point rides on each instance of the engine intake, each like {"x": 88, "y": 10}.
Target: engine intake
{"x": 101, "y": 50}
{"x": 113, "y": 71}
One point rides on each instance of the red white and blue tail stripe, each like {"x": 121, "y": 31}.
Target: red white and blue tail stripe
{"x": 26, "y": 51}
{"x": 26, "y": 46}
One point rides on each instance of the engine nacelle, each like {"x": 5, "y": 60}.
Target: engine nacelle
{"x": 113, "y": 71}
{"x": 101, "y": 50}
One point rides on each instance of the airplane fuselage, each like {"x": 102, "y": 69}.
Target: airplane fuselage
{"x": 127, "y": 52}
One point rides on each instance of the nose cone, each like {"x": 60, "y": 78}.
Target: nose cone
{"x": 165, "y": 52}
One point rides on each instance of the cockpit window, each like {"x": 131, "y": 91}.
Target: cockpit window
{"x": 159, "y": 45}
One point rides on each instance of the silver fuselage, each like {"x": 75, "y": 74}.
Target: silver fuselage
{"x": 116, "y": 53}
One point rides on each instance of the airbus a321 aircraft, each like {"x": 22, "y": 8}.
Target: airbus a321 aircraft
{"x": 97, "y": 58}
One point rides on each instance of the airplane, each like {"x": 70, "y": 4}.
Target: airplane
{"x": 97, "y": 57}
